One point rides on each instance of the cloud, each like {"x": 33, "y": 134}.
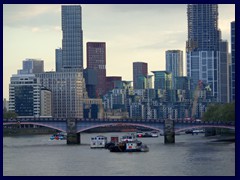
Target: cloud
{"x": 35, "y": 29}
{"x": 30, "y": 15}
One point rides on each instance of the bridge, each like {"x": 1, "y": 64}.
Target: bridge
{"x": 74, "y": 126}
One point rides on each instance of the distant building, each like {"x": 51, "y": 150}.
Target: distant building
{"x": 96, "y": 59}
{"x": 32, "y": 66}
{"x": 24, "y": 95}
{"x": 111, "y": 82}
{"x": 206, "y": 52}
{"x": 68, "y": 91}
{"x": 58, "y": 59}
{"x": 93, "y": 108}
{"x": 223, "y": 72}
{"x": 232, "y": 64}
{"x": 90, "y": 76}
{"x": 140, "y": 71}
{"x": 162, "y": 80}
{"x": 5, "y": 104}
{"x": 46, "y": 103}
{"x": 72, "y": 41}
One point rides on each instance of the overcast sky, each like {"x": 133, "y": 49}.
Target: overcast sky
{"x": 132, "y": 33}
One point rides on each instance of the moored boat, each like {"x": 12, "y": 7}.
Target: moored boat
{"x": 129, "y": 143}
{"x": 58, "y": 136}
{"x": 98, "y": 142}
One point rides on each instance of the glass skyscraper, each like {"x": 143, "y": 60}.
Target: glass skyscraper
{"x": 206, "y": 61}
{"x": 203, "y": 32}
{"x": 140, "y": 71}
{"x": 72, "y": 37}
{"x": 174, "y": 64}
{"x": 96, "y": 59}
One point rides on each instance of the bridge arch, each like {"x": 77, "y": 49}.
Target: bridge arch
{"x": 35, "y": 123}
{"x": 203, "y": 126}
{"x": 119, "y": 124}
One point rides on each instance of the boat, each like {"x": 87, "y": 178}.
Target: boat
{"x": 113, "y": 142}
{"x": 129, "y": 143}
{"x": 98, "y": 142}
{"x": 58, "y": 136}
{"x": 139, "y": 134}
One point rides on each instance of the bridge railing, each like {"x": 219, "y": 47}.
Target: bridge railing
{"x": 48, "y": 119}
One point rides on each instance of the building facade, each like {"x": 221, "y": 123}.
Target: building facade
{"x": 162, "y": 80}
{"x": 68, "y": 91}
{"x": 24, "y": 95}
{"x": 174, "y": 63}
{"x": 232, "y": 63}
{"x": 32, "y": 66}
{"x": 58, "y": 59}
{"x": 206, "y": 52}
{"x": 72, "y": 37}
{"x": 46, "y": 103}
{"x": 96, "y": 60}
{"x": 140, "y": 72}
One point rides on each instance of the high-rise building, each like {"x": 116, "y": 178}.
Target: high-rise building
{"x": 68, "y": 91}
{"x": 162, "y": 80}
{"x": 203, "y": 32}
{"x": 90, "y": 76}
{"x": 24, "y": 95}
{"x": 174, "y": 63}
{"x": 232, "y": 64}
{"x": 58, "y": 59}
{"x": 223, "y": 72}
{"x": 96, "y": 59}
{"x": 72, "y": 37}
{"x": 140, "y": 72}
{"x": 32, "y": 66}
{"x": 112, "y": 81}
{"x": 204, "y": 56}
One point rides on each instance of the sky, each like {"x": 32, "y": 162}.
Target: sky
{"x": 132, "y": 32}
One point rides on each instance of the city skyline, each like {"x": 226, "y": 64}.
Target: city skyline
{"x": 40, "y": 34}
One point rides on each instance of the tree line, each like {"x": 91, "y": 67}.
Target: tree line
{"x": 220, "y": 112}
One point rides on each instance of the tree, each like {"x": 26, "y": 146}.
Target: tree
{"x": 220, "y": 112}
{"x": 9, "y": 114}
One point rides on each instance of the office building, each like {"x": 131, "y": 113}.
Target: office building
{"x": 72, "y": 37}
{"x": 174, "y": 63}
{"x": 162, "y": 80}
{"x": 96, "y": 60}
{"x": 140, "y": 72}
{"x": 24, "y": 95}
{"x": 112, "y": 82}
{"x": 90, "y": 76}
{"x": 205, "y": 52}
{"x": 46, "y": 103}
{"x": 58, "y": 59}
{"x": 232, "y": 63}
{"x": 68, "y": 91}
{"x": 32, "y": 66}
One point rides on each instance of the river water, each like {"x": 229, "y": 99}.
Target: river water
{"x": 189, "y": 156}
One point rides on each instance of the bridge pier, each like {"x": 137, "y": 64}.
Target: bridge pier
{"x": 72, "y": 136}
{"x": 169, "y": 134}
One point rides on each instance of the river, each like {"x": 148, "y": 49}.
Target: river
{"x": 189, "y": 156}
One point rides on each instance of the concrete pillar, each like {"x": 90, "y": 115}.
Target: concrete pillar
{"x": 72, "y": 136}
{"x": 169, "y": 134}
{"x": 210, "y": 131}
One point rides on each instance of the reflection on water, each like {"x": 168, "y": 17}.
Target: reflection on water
{"x": 189, "y": 156}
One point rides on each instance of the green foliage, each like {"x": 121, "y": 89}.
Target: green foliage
{"x": 220, "y": 112}
{"x": 9, "y": 114}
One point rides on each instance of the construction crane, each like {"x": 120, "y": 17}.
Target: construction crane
{"x": 195, "y": 99}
